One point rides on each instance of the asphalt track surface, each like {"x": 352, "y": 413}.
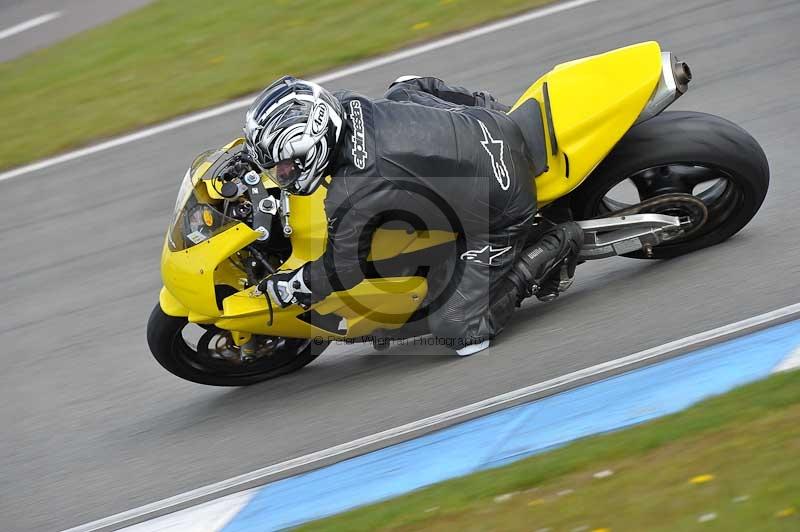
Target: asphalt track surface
{"x": 75, "y": 16}
{"x": 92, "y": 426}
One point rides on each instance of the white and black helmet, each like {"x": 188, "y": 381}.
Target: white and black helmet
{"x": 291, "y": 130}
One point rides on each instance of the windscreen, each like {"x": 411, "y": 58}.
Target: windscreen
{"x": 197, "y": 218}
{"x": 197, "y": 221}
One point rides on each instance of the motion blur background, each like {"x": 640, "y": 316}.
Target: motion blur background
{"x": 92, "y": 426}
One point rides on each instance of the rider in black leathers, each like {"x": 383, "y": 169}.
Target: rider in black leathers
{"x": 452, "y": 160}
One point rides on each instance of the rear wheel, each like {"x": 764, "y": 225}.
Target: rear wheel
{"x": 213, "y": 359}
{"x": 680, "y": 152}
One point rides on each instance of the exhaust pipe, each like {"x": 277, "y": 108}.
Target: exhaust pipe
{"x": 682, "y": 75}
{"x": 675, "y": 78}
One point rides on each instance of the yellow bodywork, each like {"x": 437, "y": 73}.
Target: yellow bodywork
{"x": 593, "y": 102}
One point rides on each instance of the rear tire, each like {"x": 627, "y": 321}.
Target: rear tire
{"x": 690, "y": 140}
{"x": 165, "y": 338}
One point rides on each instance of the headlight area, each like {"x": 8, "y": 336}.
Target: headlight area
{"x": 202, "y": 215}
{"x": 196, "y": 220}
{"x": 211, "y": 202}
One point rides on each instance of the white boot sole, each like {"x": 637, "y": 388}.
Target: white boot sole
{"x": 472, "y": 349}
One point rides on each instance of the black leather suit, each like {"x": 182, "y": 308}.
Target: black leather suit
{"x": 450, "y": 158}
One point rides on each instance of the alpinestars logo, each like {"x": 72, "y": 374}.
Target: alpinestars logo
{"x": 486, "y": 255}
{"x": 495, "y": 150}
{"x": 359, "y": 143}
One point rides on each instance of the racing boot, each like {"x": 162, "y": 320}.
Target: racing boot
{"x": 547, "y": 268}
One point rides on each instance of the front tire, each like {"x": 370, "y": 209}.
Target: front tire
{"x": 171, "y": 350}
{"x": 676, "y": 152}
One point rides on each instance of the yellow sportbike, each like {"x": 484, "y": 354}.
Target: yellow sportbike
{"x": 641, "y": 183}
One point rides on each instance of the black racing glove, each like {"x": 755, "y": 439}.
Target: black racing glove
{"x": 287, "y": 288}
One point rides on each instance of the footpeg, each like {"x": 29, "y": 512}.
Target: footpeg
{"x": 546, "y": 298}
{"x": 564, "y": 284}
{"x": 380, "y": 343}
{"x": 556, "y": 282}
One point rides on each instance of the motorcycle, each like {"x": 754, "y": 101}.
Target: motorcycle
{"x": 641, "y": 182}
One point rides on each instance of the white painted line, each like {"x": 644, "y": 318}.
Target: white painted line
{"x": 207, "y": 517}
{"x": 789, "y": 363}
{"x": 429, "y": 424}
{"x": 28, "y": 24}
{"x": 337, "y": 74}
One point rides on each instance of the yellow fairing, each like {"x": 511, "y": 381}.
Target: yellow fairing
{"x": 170, "y": 305}
{"x": 309, "y": 228}
{"x": 371, "y": 305}
{"x": 593, "y": 102}
{"x": 190, "y": 277}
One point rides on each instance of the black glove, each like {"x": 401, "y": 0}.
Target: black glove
{"x": 287, "y": 288}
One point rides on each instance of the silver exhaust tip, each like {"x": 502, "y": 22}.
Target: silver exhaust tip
{"x": 674, "y": 81}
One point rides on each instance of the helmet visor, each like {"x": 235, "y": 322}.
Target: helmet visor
{"x": 285, "y": 172}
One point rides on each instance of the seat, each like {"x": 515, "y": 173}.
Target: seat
{"x": 528, "y": 118}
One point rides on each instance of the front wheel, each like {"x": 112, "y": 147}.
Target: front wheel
{"x": 681, "y": 152}
{"x": 215, "y": 361}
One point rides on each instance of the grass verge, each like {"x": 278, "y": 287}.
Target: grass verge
{"x": 729, "y": 463}
{"x": 176, "y": 56}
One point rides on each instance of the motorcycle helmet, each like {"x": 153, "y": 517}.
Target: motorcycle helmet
{"x": 291, "y": 130}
